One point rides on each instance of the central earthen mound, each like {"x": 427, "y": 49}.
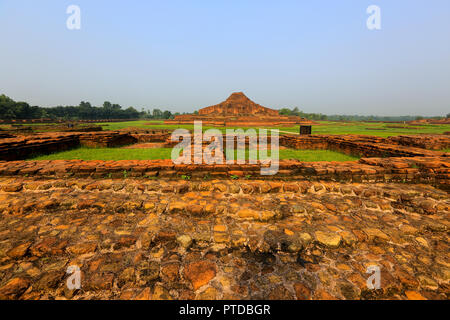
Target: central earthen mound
{"x": 238, "y": 110}
{"x": 238, "y": 104}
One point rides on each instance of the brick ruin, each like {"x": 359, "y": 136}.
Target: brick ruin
{"x": 22, "y": 147}
{"x": 19, "y": 129}
{"x": 239, "y": 110}
{"x": 238, "y": 104}
{"x": 383, "y": 159}
{"x": 154, "y": 230}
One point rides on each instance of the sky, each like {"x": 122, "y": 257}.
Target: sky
{"x": 184, "y": 55}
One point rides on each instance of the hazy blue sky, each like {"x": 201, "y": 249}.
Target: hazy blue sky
{"x": 184, "y": 55}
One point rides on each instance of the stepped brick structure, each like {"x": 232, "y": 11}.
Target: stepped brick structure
{"x": 238, "y": 105}
{"x": 239, "y": 110}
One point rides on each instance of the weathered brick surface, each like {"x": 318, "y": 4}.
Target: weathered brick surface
{"x": 137, "y": 231}
{"x": 431, "y": 170}
{"x": 222, "y": 239}
{"x": 106, "y": 139}
{"x": 22, "y": 147}
{"x": 430, "y": 142}
{"x": 238, "y": 104}
{"x": 365, "y": 146}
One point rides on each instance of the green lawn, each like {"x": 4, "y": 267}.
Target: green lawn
{"x": 108, "y": 154}
{"x": 303, "y": 155}
{"x": 315, "y": 155}
{"x": 165, "y": 153}
{"x": 324, "y": 127}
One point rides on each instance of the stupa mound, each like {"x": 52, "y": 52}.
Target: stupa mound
{"x": 239, "y": 110}
{"x": 238, "y": 104}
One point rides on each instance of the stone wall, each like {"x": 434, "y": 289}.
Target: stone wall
{"x": 5, "y": 135}
{"x": 48, "y": 120}
{"x": 221, "y": 239}
{"x": 14, "y": 147}
{"x": 431, "y": 170}
{"x": 430, "y": 142}
{"x": 365, "y": 146}
{"x": 25, "y": 146}
{"x": 391, "y": 162}
{"x": 106, "y": 139}
{"x": 240, "y": 121}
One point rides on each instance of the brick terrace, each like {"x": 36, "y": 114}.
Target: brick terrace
{"x": 309, "y": 232}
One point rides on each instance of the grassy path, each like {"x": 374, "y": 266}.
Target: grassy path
{"x": 165, "y": 153}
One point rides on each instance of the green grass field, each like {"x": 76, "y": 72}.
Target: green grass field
{"x": 302, "y": 155}
{"x": 165, "y": 153}
{"x": 324, "y": 127}
{"x": 108, "y": 154}
{"x": 315, "y": 155}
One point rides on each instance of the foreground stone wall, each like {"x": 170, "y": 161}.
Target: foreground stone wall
{"x": 430, "y": 170}
{"x": 137, "y": 239}
{"x": 138, "y": 231}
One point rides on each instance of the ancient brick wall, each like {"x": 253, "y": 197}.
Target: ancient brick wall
{"x": 23, "y": 147}
{"x": 430, "y": 142}
{"x": 14, "y": 147}
{"x": 221, "y": 239}
{"x": 106, "y": 139}
{"x": 397, "y": 162}
{"x": 365, "y": 146}
{"x": 146, "y": 137}
{"x": 240, "y": 121}
{"x": 431, "y": 170}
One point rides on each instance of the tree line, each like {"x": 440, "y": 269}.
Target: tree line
{"x": 319, "y": 116}
{"x": 10, "y": 109}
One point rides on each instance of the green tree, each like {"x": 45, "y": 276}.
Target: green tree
{"x": 167, "y": 114}
{"x": 157, "y": 114}
{"x": 285, "y": 111}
